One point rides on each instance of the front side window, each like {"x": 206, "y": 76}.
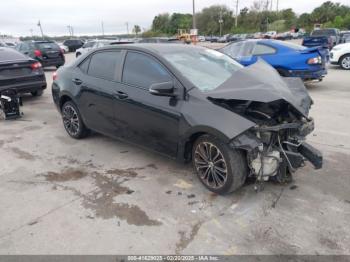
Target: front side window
{"x": 206, "y": 69}
{"x": 142, "y": 70}
{"x": 104, "y": 64}
{"x": 261, "y": 49}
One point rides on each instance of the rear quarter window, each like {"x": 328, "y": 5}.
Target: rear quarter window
{"x": 105, "y": 64}
{"x": 261, "y": 49}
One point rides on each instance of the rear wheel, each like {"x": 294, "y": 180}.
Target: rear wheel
{"x": 345, "y": 62}
{"x": 37, "y": 93}
{"x": 220, "y": 168}
{"x": 72, "y": 121}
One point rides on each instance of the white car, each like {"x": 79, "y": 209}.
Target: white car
{"x": 92, "y": 45}
{"x": 63, "y": 47}
{"x": 340, "y": 55}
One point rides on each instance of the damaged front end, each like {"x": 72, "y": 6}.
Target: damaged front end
{"x": 276, "y": 146}
{"x": 279, "y": 107}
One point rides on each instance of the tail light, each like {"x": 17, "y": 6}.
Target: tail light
{"x": 54, "y": 76}
{"x": 62, "y": 51}
{"x": 37, "y": 53}
{"x": 35, "y": 66}
{"x": 315, "y": 60}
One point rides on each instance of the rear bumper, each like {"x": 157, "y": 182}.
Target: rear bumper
{"x": 27, "y": 87}
{"x": 308, "y": 74}
{"x": 51, "y": 61}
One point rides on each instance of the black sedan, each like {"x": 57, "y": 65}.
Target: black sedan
{"x": 192, "y": 104}
{"x": 48, "y": 53}
{"x": 20, "y": 72}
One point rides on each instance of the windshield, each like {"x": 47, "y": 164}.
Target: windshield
{"x": 205, "y": 68}
{"x": 323, "y": 32}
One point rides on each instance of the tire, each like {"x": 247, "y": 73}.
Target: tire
{"x": 223, "y": 170}
{"x": 37, "y": 93}
{"x": 72, "y": 121}
{"x": 58, "y": 66}
{"x": 77, "y": 55}
{"x": 344, "y": 62}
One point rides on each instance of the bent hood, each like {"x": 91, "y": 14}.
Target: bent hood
{"x": 261, "y": 83}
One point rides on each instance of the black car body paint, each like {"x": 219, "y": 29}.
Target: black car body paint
{"x": 255, "y": 110}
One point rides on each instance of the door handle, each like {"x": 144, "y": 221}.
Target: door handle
{"x": 120, "y": 95}
{"x": 77, "y": 81}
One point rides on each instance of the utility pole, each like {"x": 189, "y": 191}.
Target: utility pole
{"x": 193, "y": 15}
{"x": 41, "y": 29}
{"x": 236, "y": 18}
{"x": 220, "y": 22}
{"x": 70, "y": 32}
{"x": 103, "y": 29}
{"x": 127, "y": 27}
{"x": 277, "y": 5}
{"x": 271, "y": 3}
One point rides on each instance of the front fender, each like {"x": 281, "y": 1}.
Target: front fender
{"x": 213, "y": 119}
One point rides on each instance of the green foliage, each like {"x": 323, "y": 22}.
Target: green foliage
{"x": 256, "y": 18}
{"x": 166, "y": 24}
{"x": 136, "y": 29}
{"x": 208, "y": 20}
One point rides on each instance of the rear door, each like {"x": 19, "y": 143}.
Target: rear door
{"x": 142, "y": 118}
{"x": 96, "y": 78}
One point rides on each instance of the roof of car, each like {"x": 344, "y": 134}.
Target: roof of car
{"x": 155, "y": 47}
{"x": 10, "y": 54}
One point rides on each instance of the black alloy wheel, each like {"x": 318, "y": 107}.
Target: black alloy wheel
{"x": 219, "y": 167}
{"x": 72, "y": 121}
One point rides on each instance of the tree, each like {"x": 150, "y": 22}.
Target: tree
{"x": 161, "y": 23}
{"x": 136, "y": 29}
{"x": 208, "y": 20}
{"x": 179, "y": 21}
{"x": 289, "y": 17}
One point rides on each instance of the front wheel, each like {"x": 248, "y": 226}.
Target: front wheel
{"x": 220, "y": 168}
{"x": 72, "y": 121}
{"x": 345, "y": 62}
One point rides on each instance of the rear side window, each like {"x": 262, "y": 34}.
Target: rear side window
{"x": 142, "y": 70}
{"x": 239, "y": 49}
{"x": 263, "y": 50}
{"x": 104, "y": 64}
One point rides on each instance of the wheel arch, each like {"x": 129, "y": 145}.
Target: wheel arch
{"x": 63, "y": 99}
{"x": 187, "y": 141}
{"x": 342, "y": 56}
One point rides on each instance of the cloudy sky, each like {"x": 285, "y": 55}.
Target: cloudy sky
{"x": 17, "y": 17}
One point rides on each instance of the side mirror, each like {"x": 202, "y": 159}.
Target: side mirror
{"x": 162, "y": 89}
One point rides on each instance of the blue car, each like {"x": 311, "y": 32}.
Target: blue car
{"x": 290, "y": 60}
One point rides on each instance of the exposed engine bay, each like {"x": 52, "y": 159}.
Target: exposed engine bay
{"x": 275, "y": 146}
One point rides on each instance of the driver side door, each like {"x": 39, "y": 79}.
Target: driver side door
{"x": 142, "y": 118}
